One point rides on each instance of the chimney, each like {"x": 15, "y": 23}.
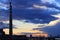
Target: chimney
{"x": 10, "y": 20}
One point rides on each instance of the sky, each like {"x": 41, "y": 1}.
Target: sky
{"x": 31, "y": 16}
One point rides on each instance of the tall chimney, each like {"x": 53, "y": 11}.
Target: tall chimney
{"x": 10, "y": 20}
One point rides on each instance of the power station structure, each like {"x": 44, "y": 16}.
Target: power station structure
{"x": 10, "y": 21}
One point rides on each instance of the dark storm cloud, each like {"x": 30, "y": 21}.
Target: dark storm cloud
{"x": 25, "y": 2}
{"x": 51, "y": 30}
{"x": 29, "y": 3}
{"x": 34, "y": 15}
{"x": 31, "y": 15}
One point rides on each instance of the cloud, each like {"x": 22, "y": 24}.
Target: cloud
{"x": 4, "y": 15}
{"x": 30, "y": 3}
{"x": 45, "y": 8}
{"x": 21, "y": 24}
{"x": 52, "y": 28}
{"x": 33, "y": 16}
{"x": 34, "y": 11}
{"x": 37, "y": 6}
{"x": 3, "y": 5}
{"x": 58, "y": 15}
{"x": 54, "y": 2}
{"x": 3, "y": 25}
{"x": 50, "y": 1}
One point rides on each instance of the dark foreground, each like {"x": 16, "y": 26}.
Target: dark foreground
{"x": 23, "y": 37}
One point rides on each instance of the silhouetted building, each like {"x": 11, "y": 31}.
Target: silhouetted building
{"x": 51, "y": 38}
{"x": 2, "y": 34}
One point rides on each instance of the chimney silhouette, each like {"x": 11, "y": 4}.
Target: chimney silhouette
{"x": 10, "y": 20}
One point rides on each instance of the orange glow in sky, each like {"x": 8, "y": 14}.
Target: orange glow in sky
{"x": 34, "y": 33}
{"x": 41, "y": 34}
